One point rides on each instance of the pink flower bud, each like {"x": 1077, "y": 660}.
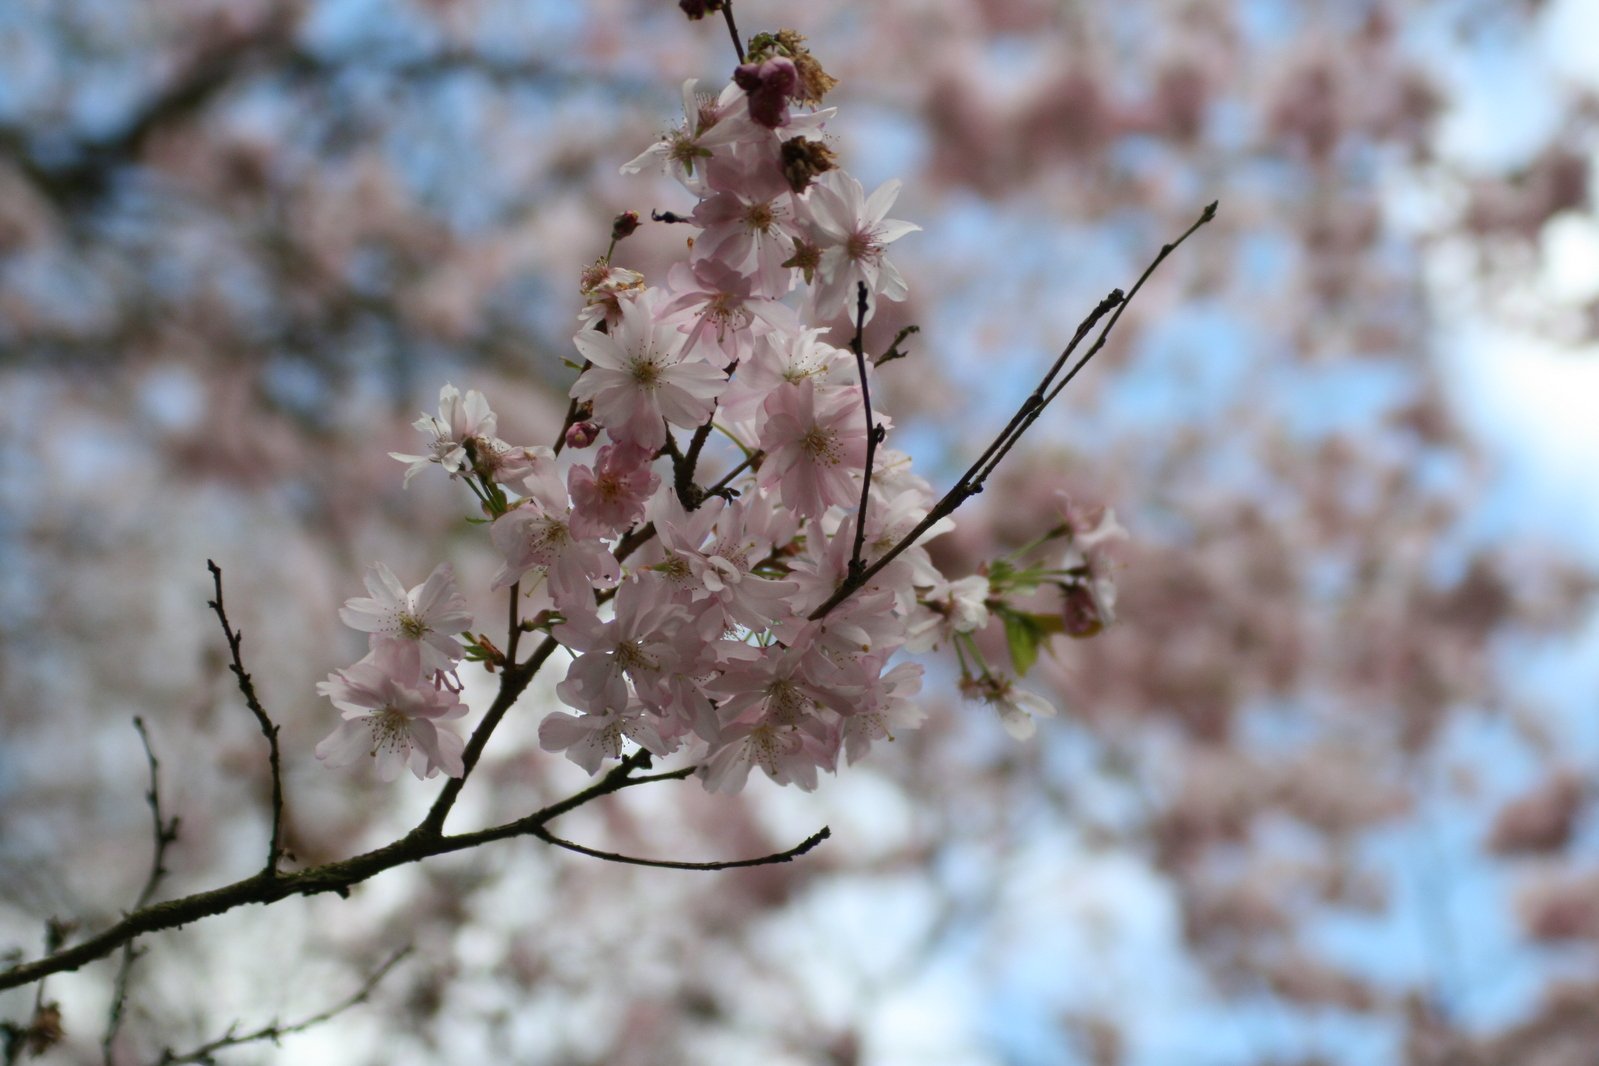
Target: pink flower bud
{"x": 769, "y": 84}
{"x": 582, "y": 434}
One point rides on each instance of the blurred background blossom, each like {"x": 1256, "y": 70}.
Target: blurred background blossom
{"x": 1323, "y": 795}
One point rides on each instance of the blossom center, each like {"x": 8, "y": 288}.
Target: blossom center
{"x": 391, "y": 731}
{"x": 821, "y": 445}
{"x": 759, "y": 217}
{"x": 646, "y": 372}
{"x": 862, "y": 247}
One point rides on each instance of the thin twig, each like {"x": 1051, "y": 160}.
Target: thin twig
{"x": 268, "y": 729}
{"x": 276, "y": 1032}
{"x": 667, "y": 864}
{"x": 872, "y": 434}
{"x": 894, "y": 349}
{"x": 971, "y": 482}
{"x": 166, "y": 831}
{"x": 513, "y": 623}
{"x": 732, "y": 29}
{"x": 1099, "y": 343}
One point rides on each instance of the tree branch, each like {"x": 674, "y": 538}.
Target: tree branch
{"x": 337, "y": 877}
{"x": 732, "y": 29}
{"x": 268, "y": 729}
{"x": 872, "y": 434}
{"x": 666, "y": 864}
{"x": 971, "y": 482}
{"x": 166, "y": 831}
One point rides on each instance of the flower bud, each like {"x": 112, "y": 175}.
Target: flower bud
{"x": 802, "y": 160}
{"x": 582, "y": 434}
{"x": 1081, "y": 611}
{"x": 698, "y": 9}
{"x": 623, "y": 225}
{"x": 769, "y": 84}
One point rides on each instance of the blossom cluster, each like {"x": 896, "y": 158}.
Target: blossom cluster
{"x": 708, "y": 618}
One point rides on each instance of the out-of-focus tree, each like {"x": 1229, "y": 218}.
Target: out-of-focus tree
{"x": 1300, "y": 798}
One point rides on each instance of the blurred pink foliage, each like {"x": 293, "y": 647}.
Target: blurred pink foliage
{"x": 241, "y": 244}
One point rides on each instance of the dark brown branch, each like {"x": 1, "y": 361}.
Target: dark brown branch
{"x": 513, "y": 622}
{"x": 268, "y": 729}
{"x": 337, "y": 877}
{"x": 689, "y": 494}
{"x": 166, "y": 831}
{"x": 971, "y": 482}
{"x": 666, "y": 864}
{"x": 872, "y": 434}
{"x": 513, "y": 682}
{"x": 732, "y": 30}
{"x": 275, "y": 1032}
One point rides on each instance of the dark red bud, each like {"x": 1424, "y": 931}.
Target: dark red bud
{"x": 623, "y": 225}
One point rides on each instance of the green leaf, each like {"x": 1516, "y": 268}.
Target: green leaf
{"x": 1021, "y": 635}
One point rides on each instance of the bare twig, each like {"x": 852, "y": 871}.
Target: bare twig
{"x": 667, "y": 864}
{"x": 971, "y": 483}
{"x": 513, "y": 623}
{"x": 872, "y": 434}
{"x": 1099, "y": 342}
{"x": 268, "y": 729}
{"x": 166, "y": 831}
{"x": 732, "y": 29}
{"x": 894, "y": 349}
{"x": 275, "y": 1032}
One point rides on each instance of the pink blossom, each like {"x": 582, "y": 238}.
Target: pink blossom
{"x": 610, "y": 498}
{"x": 727, "y": 308}
{"x": 391, "y": 715}
{"x": 464, "y": 425}
{"x": 536, "y": 534}
{"x": 815, "y": 444}
{"x": 709, "y": 123}
{"x": 420, "y": 623}
{"x": 852, "y": 233}
{"x": 639, "y": 644}
{"x": 590, "y": 739}
{"x": 749, "y": 225}
{"x": 887, "y": 705}
{"x": 639, "y": 377}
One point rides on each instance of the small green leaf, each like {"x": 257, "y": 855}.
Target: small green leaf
{"x": 1022, "y": 636}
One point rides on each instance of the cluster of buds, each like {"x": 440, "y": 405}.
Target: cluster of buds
{"x": 760, "y": 621}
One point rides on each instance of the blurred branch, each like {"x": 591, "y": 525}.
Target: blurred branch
{"x": 166, "y": 831}
{"x": 275, "y": 1032}
{"x": 86, "y": 170}
{"x": 268, "y": 729}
